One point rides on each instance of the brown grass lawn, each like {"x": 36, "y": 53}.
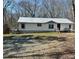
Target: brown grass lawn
{"x": 64, "y": 48}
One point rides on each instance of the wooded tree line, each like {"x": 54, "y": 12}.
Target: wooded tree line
{"x": 36, "y": 8}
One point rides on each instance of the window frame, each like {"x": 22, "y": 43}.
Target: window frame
{"x": 39, "y": 24}
{"x": 51, "y": 26}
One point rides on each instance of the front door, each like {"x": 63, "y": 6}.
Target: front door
{"x": 70, "y": 26}
{"x": 58, "y": 26}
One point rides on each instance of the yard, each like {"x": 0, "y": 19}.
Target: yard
{"x": 36, "y": 34}
{"x": 40, "y": 45}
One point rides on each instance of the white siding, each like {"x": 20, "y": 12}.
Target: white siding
{"x": 72, "y": 29}
{"x": 63, "y": 26}
{"x": 34, "y": 27}
{"x": 44, "y": 27}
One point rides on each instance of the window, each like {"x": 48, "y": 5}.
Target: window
{"x": 22, "y": 26}
{"x": 51, "y": 26}
{"x": 69, "y": 26}
{"x": 39, "y": 24}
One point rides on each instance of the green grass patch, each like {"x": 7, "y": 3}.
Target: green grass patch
{"x": 34, "y": 34}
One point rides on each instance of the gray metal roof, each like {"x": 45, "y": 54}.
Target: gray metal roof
{"x": 43, "y": 20}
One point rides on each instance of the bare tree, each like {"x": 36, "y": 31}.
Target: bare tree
{"x": 11, "y": 13}
{"x": 5, "y": 6}
{"x": 73, "y": 4}
{"x": 29, "y": 8}
{"x": 53, "y": 7}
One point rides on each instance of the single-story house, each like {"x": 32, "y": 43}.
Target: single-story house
{"x": 30, "y": 24}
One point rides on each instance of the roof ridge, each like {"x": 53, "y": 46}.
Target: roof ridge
{"x": 44, "y": 20}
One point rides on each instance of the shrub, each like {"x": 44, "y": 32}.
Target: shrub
{"x": 6, "y": 29}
